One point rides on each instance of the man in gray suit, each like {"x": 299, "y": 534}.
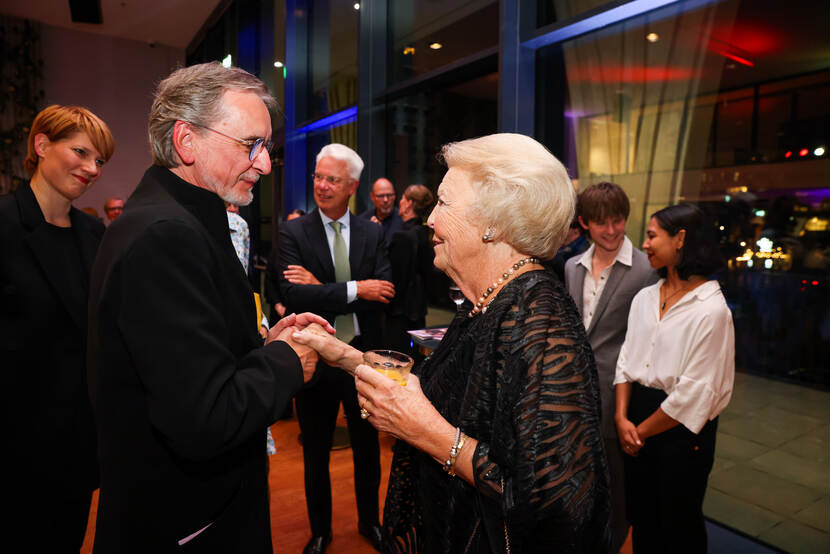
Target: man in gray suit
{"x": 602, "y": 282}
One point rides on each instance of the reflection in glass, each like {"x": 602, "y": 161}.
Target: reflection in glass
{"x": 333, "y": 41}
{"x": 725, "y": 105}
{"x": 427, "y": 35}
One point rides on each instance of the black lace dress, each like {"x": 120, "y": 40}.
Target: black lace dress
{"x": 520, "y": 379}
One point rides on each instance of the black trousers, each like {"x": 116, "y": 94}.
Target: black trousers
{"x": 666, "y": 482}
{"x": 317, "y": 408}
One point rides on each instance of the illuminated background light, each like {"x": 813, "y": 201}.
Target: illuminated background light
{"x": 356, "y": 6}
{"x": 788, "y": 154}
{"x": 227, "y": 61}
{"x": 819, "y": 151}
{"x": 409, "y": 51}
{"x": 803, "y": 152}
{"x": 652, "y": 37}
{"x": 436, "y": 45}
{"x": 278, "y": 63}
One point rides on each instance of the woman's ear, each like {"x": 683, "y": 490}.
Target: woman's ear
{"x": 680, "y": 239}
{"x": 41, "y": 144}
{"x": 183, "y": 142}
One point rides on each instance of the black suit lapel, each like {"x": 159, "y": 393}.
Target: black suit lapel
{"x": 319, "y": 243}
{"x": 357, "y": 238}
{"x": 86, "y": 239}
{"x": 43, "y": 250}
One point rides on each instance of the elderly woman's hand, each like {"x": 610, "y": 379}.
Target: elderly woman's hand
{"x": 332, "y": 351}
{"x": 400, "y": 411}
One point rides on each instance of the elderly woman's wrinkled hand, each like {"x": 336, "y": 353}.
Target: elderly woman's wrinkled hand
{"x": 330, "y": 349}
{"x": 399, "y": 411}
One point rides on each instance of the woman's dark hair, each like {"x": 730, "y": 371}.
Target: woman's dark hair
{"x": 700, "y": 254}
{"x": 421, "y": 198}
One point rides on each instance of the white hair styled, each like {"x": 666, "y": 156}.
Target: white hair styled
{"x": 341, "y": 152}
{"x": 523, "y": 192}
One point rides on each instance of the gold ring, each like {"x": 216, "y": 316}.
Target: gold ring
{"x": 364, "y": 414}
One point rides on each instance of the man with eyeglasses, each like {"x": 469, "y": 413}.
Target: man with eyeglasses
{"x": 113, "y": 208}
{"x": 335, "y": 264}
{"x": 384, "y": 211}
{"x": 182, "y": 385}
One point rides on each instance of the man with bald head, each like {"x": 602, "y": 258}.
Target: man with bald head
{"x": 384, "y": 211}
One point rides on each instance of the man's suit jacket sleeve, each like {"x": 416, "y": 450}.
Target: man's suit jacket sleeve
{"x": 327, "y": 297}
{"x": 199, "y": 396}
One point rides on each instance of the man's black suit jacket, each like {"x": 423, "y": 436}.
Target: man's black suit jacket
{"x": 182, "y": 388}
{"x": 303, "y": 242}
{"x": 45, "y": 407}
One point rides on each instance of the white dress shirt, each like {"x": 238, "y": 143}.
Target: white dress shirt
{"x": 689, "y": 354}
{"x": 346, "y": 232}
{"x": 592, "y": 289}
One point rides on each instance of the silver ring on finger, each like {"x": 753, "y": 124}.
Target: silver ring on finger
{"x": 364, "y": 413}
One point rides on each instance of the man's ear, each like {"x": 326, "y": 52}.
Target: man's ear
{"x": 41, "y": 142}
{"x": 183, "y": 142}
{"x": 355, "y": 183}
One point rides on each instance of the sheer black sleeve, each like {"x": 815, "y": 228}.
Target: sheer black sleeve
{"x": 544, "y": 465}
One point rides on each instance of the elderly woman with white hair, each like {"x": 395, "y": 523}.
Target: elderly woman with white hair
{"x": 500, "y": 446}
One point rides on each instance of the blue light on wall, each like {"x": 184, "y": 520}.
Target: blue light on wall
{"x": 334, "y": 120}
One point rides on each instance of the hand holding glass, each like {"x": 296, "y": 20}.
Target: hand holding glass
{"x": 390, "y": 363}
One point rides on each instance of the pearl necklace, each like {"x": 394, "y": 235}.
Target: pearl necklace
{"x": 480, "y": 306}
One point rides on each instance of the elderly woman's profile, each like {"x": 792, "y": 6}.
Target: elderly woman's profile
{"x": 500, "y": 447}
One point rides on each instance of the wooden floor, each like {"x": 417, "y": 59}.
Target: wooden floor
{"x": 289, "y": 519}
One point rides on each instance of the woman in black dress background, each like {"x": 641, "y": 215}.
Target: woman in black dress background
{"x": 46, "y": 251}
{"x": 411, "y": 255}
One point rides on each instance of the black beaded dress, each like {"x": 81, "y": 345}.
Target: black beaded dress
{"x": 521, "y": 379}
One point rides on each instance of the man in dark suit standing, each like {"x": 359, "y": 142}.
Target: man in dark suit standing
{"x": 384, "y": 212}
{"x": 335, "y": 264}
{"x": 603, "y": 282}
{"x": 181, "y": 383}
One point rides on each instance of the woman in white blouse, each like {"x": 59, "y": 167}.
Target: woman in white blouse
{"x": 674, "y": 376}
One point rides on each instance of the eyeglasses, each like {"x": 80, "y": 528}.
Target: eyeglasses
{"x": 331, "y": 180}
{"x": 384, "y": 196}
{"x": 256, "y": 145}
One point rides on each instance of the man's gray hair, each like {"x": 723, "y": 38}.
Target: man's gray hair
{"x": 341, "y": 152}
{"x": 194, "y": 94}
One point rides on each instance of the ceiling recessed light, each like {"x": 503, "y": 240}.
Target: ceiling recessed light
{"x": 436, "y": 45}
{"x": 278, "y": 63}
{"x": 652, "y": 37}
{"x": 819, "y": 151}
{"x": 357, "y": 5}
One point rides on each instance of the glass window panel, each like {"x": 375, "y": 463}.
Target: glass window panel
{"x": 552, "y": 11}
{"x": 728, "y": 108}
{"x": 427, "y": 34}
{"x": 332, "y": 58}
